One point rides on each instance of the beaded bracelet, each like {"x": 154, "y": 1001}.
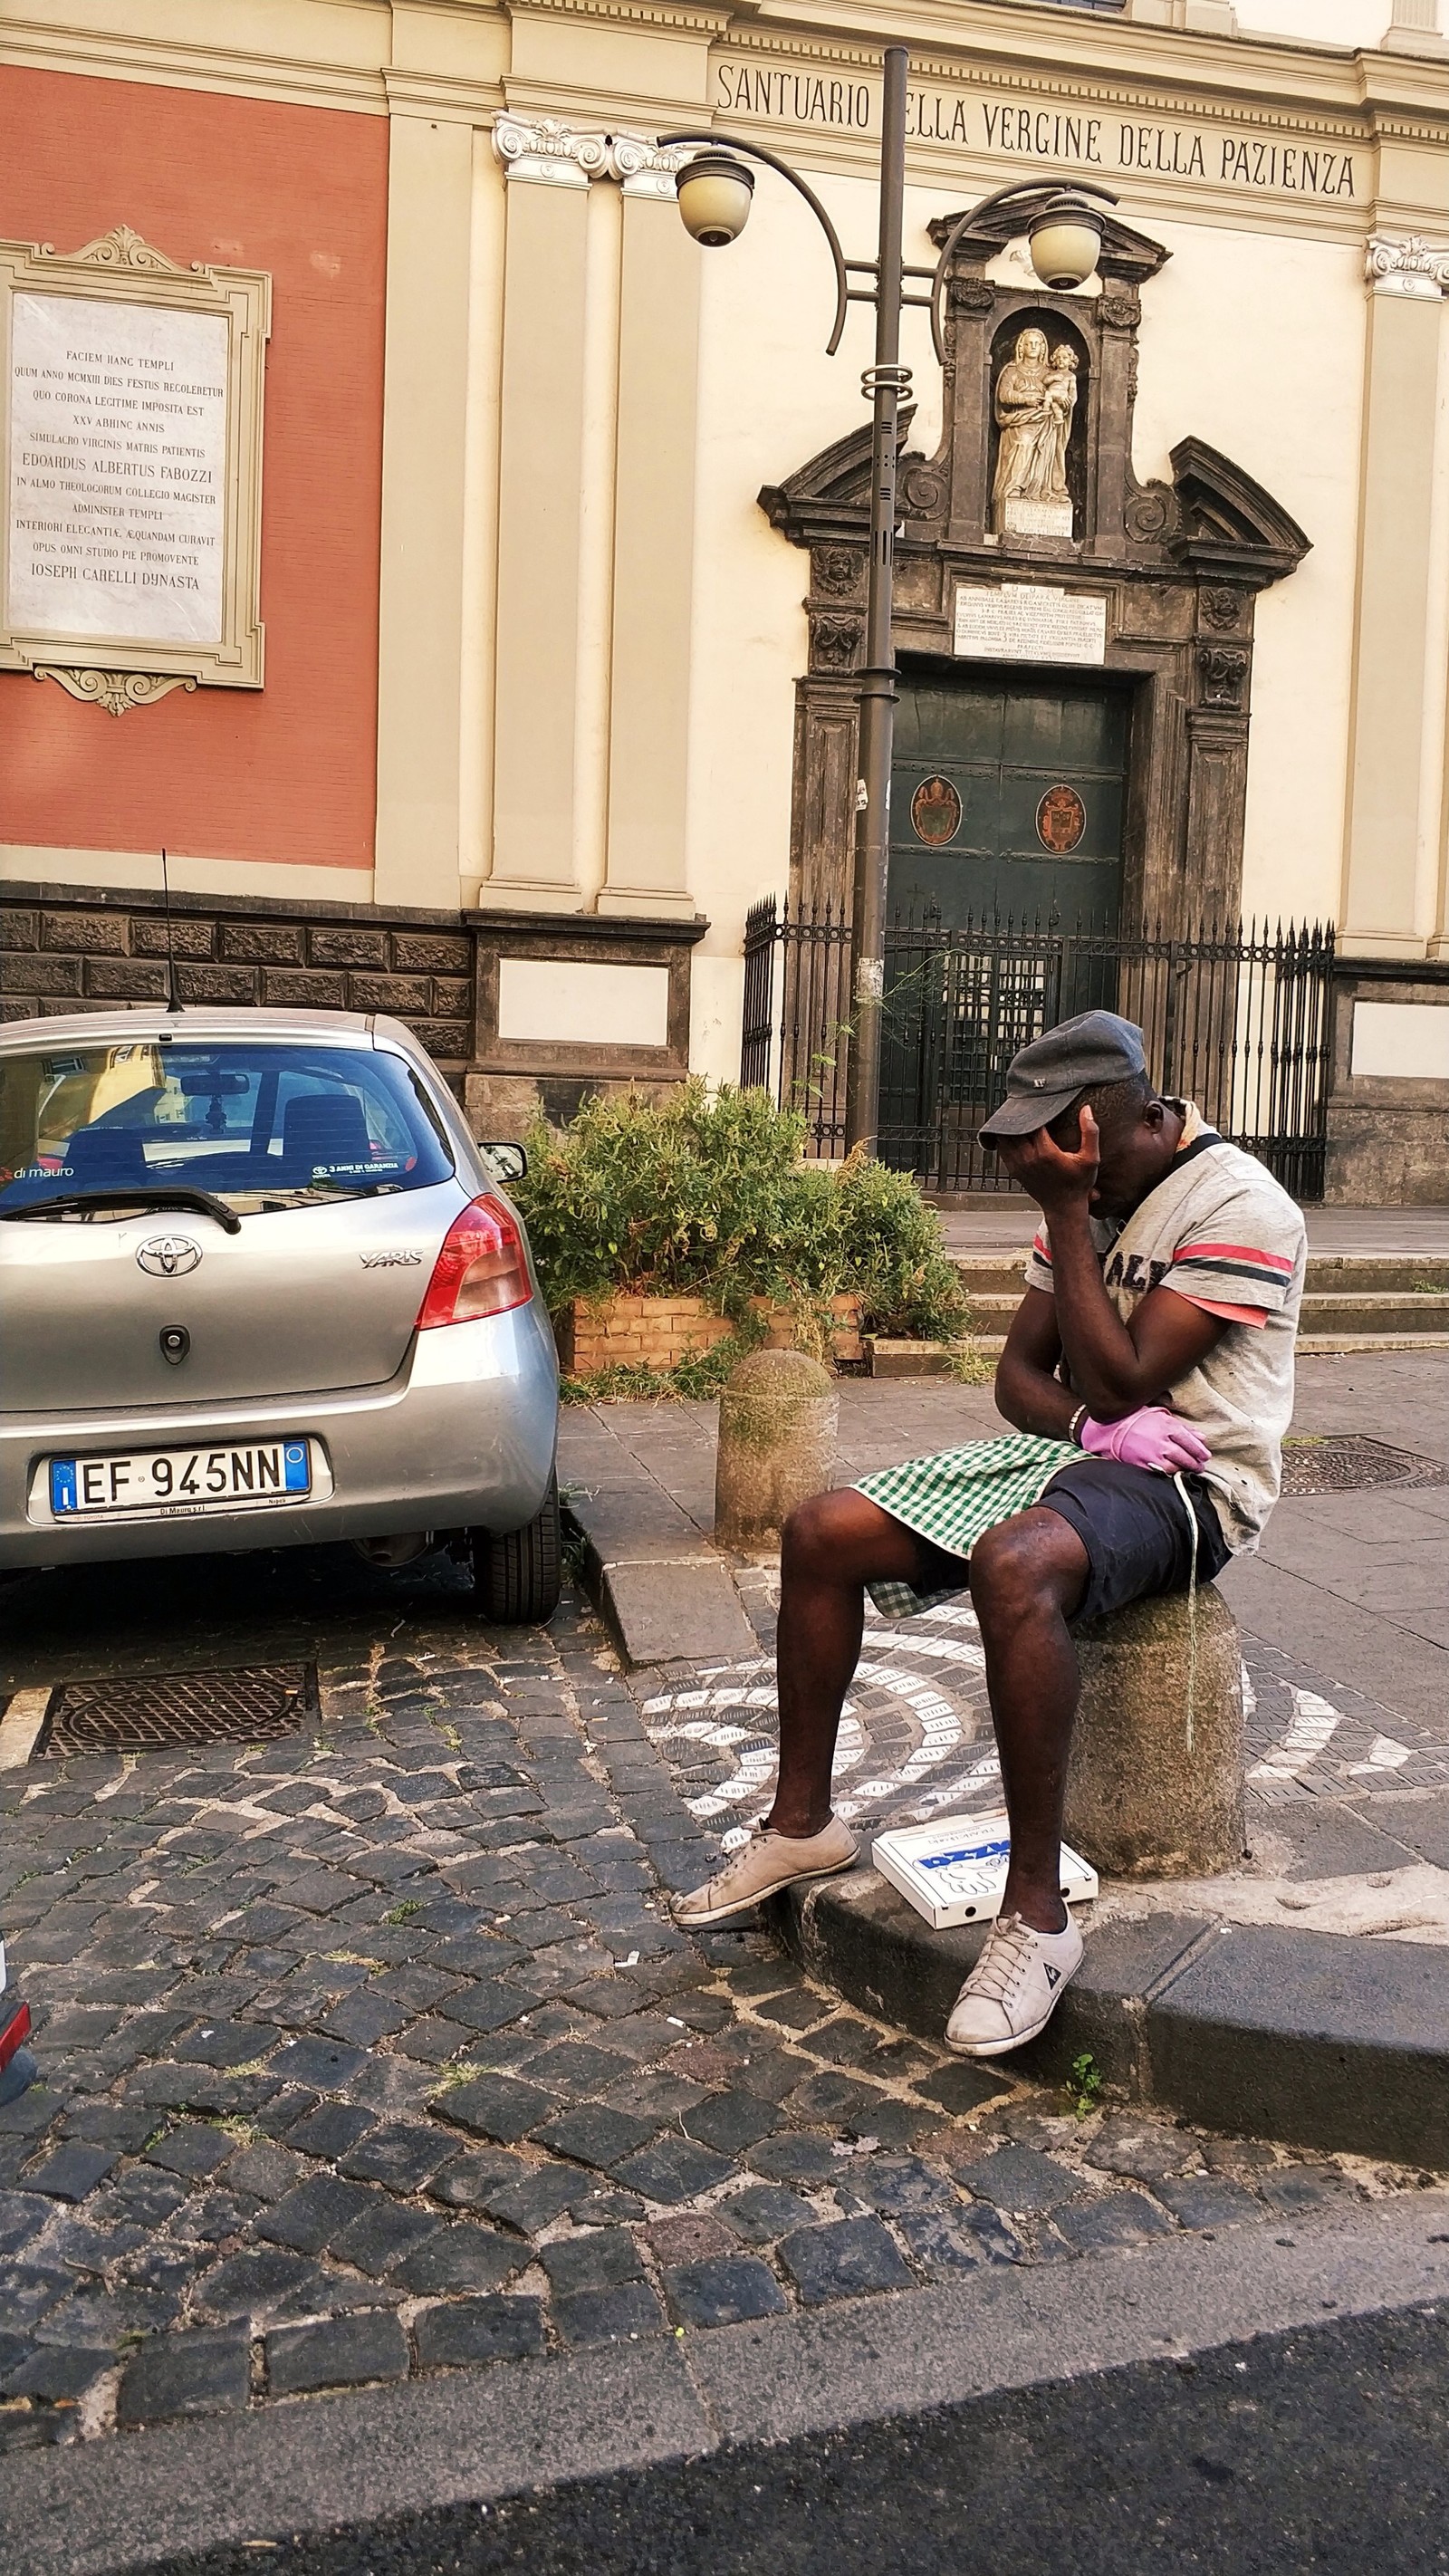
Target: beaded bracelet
{"x": 1075, "y": 1425}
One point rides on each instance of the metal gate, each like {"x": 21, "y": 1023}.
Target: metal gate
{"x": 1235, "y": 1018}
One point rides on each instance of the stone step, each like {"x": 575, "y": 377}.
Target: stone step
{"x": 1348, "y": 1273}
{"x": 1400, "y": 1311}
{"x": 1368, "y": 1297}
{"x": 938, "y": 1359}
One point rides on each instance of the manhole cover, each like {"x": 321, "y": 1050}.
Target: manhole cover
{"x": 246, "y": 1706}
{"x": 1350, "y": 1465}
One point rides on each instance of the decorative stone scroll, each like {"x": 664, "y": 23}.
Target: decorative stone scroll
{"x": 642, "y": 169}
{"x": 130, "y": 544}
{"x": 1407, "y": 267}
{"x": 116, "y": 691}
{"x": 550, "y": 153}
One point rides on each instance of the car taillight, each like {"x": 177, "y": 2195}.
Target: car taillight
{"x": 14, "y": 2031}
{"x": 482, "y": 1268}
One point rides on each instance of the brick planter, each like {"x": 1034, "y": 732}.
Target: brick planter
{"x": 627, "y": 1331}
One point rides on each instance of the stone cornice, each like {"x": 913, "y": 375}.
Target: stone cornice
{"x": 1253, "y": 83}
{"x": 111, "y": 54}
{"x": 1248, "y": 79}
{"x": 671, "y": 16}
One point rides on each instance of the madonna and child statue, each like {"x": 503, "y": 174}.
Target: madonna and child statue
{"x": 1036, "y": 399}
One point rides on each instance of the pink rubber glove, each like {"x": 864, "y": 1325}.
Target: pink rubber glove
{"x": 1151, "y": 1437}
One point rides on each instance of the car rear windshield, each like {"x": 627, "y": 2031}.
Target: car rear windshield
{"x": 261, "y": 1125}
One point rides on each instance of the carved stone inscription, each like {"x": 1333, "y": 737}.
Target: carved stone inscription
{"x": 118, "y": 447}
{"x": 1025, "y": 622}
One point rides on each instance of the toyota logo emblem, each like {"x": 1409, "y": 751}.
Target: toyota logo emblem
{"x": 169, "y": 1256}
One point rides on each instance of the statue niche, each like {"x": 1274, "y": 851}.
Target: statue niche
{"x": 1038, "y": 382}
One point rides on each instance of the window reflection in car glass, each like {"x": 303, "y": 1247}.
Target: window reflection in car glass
{"x": 261, "y": 1125}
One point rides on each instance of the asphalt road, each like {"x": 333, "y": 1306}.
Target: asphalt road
{"x": 1319, "y": 2450}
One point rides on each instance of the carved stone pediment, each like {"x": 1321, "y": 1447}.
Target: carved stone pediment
{"x": 830, "y": 495}
{"x": 1227, "y": 523}
{"x": 1125, "y": 254}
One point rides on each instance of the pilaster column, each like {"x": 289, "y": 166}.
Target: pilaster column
{"x": 541, "y": 462}
{"x": 429, "y": 228}
{"x": 1415, "y": 29}
{"x": 653, "y": 540}
{"x": 1406, "y": 282}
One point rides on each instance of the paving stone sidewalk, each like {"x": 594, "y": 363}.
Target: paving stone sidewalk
{"x": 373, "y": 2051}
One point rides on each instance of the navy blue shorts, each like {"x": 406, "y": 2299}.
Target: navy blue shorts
{"x": 1132, "y": 1524}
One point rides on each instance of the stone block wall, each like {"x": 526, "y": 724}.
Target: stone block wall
{"x": 86, "y": 948}
{"x": 62, "y": 953}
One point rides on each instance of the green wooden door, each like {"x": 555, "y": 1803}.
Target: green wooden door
{"x": 1007, "y": 797}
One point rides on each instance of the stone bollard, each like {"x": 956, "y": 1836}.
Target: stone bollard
{"x": 1150, "y": 1794}
{"x": 778, "y": 1414}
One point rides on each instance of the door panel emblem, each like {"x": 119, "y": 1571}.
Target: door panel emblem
{"x": 935, "y": 812}
{"x": 169, "y": 1256}
{"x": 1061, "y": 819}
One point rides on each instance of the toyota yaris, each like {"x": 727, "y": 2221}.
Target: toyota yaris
{"x": 259, "y": 1286}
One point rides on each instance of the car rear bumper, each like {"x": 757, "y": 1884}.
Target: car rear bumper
{"x": 462, "y": 1438}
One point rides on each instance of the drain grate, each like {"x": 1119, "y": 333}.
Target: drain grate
{"x": 249, "y": 1705}
{"x": 1351, "y": 1465}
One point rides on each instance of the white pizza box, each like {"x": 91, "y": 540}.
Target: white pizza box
{"x": 953, "y": 1870}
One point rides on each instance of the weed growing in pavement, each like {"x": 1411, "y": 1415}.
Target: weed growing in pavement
{"x": 970, "y": 1366}
{"x": 1084, "y": 2084}
{"x": 404, "y": 1913}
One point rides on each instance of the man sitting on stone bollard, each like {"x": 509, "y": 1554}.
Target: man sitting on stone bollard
{"x": 1156, "y": 1336}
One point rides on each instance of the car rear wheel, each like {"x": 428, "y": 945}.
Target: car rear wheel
{"x": 519, "y": 1576}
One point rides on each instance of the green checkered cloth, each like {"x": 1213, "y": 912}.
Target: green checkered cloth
{"x": 954, "y": 1498}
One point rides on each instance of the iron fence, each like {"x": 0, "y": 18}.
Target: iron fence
{"x": 1236, "y": 1017}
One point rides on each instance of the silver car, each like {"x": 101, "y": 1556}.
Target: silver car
{"x": 259, "y": 1286}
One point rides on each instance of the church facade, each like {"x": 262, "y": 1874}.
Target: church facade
{"x": 460, "y": 573}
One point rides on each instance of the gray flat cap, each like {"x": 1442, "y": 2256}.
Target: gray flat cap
{"x": 1084, "y": 1054}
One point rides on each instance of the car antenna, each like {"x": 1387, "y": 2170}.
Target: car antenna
{"x": 173, "y": 998}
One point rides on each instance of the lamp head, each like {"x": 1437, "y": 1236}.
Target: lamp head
{"x": 1066, "y": 240}
{"x": 714, "y": 192}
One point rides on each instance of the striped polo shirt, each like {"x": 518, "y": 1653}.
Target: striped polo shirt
{"x": 1219, "y": 1231}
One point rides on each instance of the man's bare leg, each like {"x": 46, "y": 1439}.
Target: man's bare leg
{"x": 1027, "y": 1577}
{"x": 832, "y": 1547}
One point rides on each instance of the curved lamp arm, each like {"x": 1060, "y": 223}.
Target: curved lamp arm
{"x": 757, "y": 152}
{"x": 1021, "y": 188}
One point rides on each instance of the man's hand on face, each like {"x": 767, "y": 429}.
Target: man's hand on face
{"x": 1056, "y": 1177}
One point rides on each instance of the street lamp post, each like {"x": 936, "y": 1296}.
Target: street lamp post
{"x": 715, "y": 191}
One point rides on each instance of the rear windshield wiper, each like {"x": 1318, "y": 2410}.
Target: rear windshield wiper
{"x": 163, "y": 1195}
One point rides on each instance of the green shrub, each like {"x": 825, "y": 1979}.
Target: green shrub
{"x": 708, "y": 1194}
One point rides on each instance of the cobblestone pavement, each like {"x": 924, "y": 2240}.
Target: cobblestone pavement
{"x": 372, "y": 2051}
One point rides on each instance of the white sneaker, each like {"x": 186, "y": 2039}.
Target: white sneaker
{"x": 760, "y": 1868}
{"x": 1014, "y": 1988}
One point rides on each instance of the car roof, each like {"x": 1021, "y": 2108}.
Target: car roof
{"x": 151, "y": 1020}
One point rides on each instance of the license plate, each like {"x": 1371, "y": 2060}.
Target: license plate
{"x": 180, "y": 1480}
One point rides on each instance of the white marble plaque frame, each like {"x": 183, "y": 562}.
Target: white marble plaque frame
{"x": 193, "y": 557}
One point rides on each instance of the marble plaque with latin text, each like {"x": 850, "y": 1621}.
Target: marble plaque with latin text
{"x": 1028, "y": 622}
{"x": 118, "y": 457}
